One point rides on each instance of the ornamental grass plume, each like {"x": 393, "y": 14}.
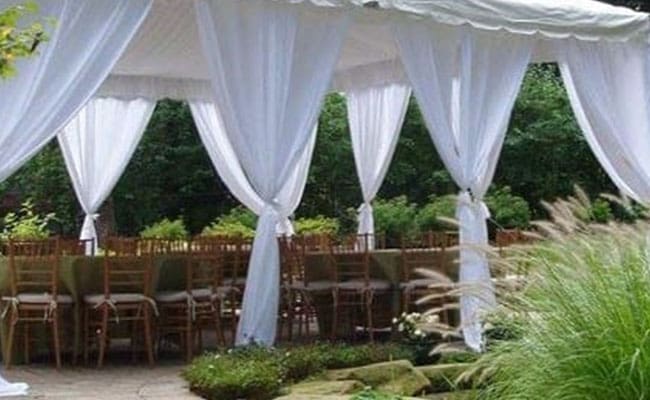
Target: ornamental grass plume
{"x": 580, "y": 328}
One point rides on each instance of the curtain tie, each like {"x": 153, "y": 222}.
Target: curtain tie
{"x": 476, "y": 206}
{"x": 366, "y": 219}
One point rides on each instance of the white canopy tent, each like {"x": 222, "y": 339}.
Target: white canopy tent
{"x": 266, "y": 74}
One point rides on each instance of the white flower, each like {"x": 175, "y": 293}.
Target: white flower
{"x": 395, "y": 321}
{"x": 418, "y": 332}
{"x": 400, "y": 327}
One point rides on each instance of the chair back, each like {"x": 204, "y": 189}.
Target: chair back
{"x": 313, "y": 242}
{"x": 291, "y": 259}
{"x": 77, "y": 247}
{"x": 128, "y": 265}
{"x": 507, "y": 237}
{"x": 205, "y": 265}
{"x": 350, "y": 258}
{"x": 423, "y": 252}
{"x": 168, "y": 246}
{"x": 236, "y": 254}
{"x": 34, "y": 266}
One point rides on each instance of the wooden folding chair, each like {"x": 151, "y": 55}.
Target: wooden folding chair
{"x": 126, "y": 297}
{"x": 354, "y": 288}
{"x": 424, "y": 254}
{"x": 35, "y": 298}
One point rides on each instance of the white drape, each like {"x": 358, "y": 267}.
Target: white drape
{"x": 269, "y": 79}
{"x": 215, "y": 140}
{"x": 608, "y": 87}
{"x": 97, "y": 145}
{"x": 466, "y": 82}
{"x": 86, "y": 41}
{"x": 375, "y": 116}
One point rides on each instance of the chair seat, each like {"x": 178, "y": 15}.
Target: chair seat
{"x": 116, "y": 298}
{"x": 315, "y": 286}
{"x": 424, "y": 284}
{"x": 373, "y": 284}
{"x": 198, "y": 294}
{"x": 43, "y": 298}
{"x": 235, "y": 282}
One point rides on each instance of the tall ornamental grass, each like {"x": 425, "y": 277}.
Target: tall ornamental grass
{"x": 582, "y": 323}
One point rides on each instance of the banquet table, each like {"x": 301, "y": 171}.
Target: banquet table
{"x": 81, "y": 275}
{"x": 385, "y": 264}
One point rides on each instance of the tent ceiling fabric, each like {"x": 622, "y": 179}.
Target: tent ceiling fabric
{"x": 166, "y": 51}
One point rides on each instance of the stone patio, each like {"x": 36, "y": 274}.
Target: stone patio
{"x": 112, "y": 382}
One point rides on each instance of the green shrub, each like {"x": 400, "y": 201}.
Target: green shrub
{"x": 238, "y": 222}
{"x": 508, "y": 211}
{"x": 165, "y": 229}
{"x": 601, "y": 211}
{"x": 369, "y": 394}
{"x": 317, "y": 225}
{"x": 223, "y": 377}
{"x": 395, "y": 218}
{"x": 428, "y": 217}
{"x": 583, "y": 323}
{"x": 27, "y": 224}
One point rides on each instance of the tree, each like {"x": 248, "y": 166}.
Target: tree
{"x": 18, "y": 41}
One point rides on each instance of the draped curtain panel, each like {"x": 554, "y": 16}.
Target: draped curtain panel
{"x": 97, "y": 145}
{"x": 608, "y": 84}
{"x": 50, "y": 88}
{"x": 375, "y": 116}
{"x": 466, "y": 82}
{"x": 269, "y": 79}
{"x": 222, "y": 155}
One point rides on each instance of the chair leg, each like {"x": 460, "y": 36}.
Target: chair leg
{"x": 55, "y": 335}
{"x": 86, "y": 334}
{"x": 147, "y": 334}
{"x": 103, "y": 335}
{"x": 10, "y": 342}
{"x": 335, "y": 314}
{"x": 26, "y": 343}
{"x": 216, "y": 312}
{"x": 189, "y": 342}
{"x": 368, "y": 303}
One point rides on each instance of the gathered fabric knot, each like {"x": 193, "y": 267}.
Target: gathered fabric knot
{"x": 467, "y": 202}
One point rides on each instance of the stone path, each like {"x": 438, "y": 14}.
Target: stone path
{"x": 112, "y": 382}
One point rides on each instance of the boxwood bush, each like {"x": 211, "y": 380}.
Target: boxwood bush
{"x": 238, "y": 222}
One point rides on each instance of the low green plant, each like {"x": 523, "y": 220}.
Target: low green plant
{"x": 27, "y": 224}
{"x": 238, "y": 222}
{"x": 431, "y": 217}
{"x": 395, "y": 218}
{"x": 583, "y": 322}
{"x": 166, "y": 229}
{"x": 414, "y": 336}
{"x": 317, "y": 225}
{"x": 223, "y": 377}
{"x": 369, "y": 394}
{"x": 508, "y": 210}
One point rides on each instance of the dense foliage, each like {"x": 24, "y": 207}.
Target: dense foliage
{"x": 237, "y": 222}
{"x": 26, "y": 224}
{"x": 165, "y": 229}
{"x": 257, "y": 373}
{"x": 171, "y": 176}
{"x": 18, "y": 40}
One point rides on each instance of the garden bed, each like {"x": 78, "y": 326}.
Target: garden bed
{"x": 318, "y": 372}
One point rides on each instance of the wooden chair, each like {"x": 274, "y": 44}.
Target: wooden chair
{"x": 297, "y": 305}
{"x": 424, "y": 254}
{"x": 126, "y": 297}
{"x": 354, "y": 288}
{"x": 35, "y": 297}
{"x": 198, "y": 307}
{"x": 236, "y": 255}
